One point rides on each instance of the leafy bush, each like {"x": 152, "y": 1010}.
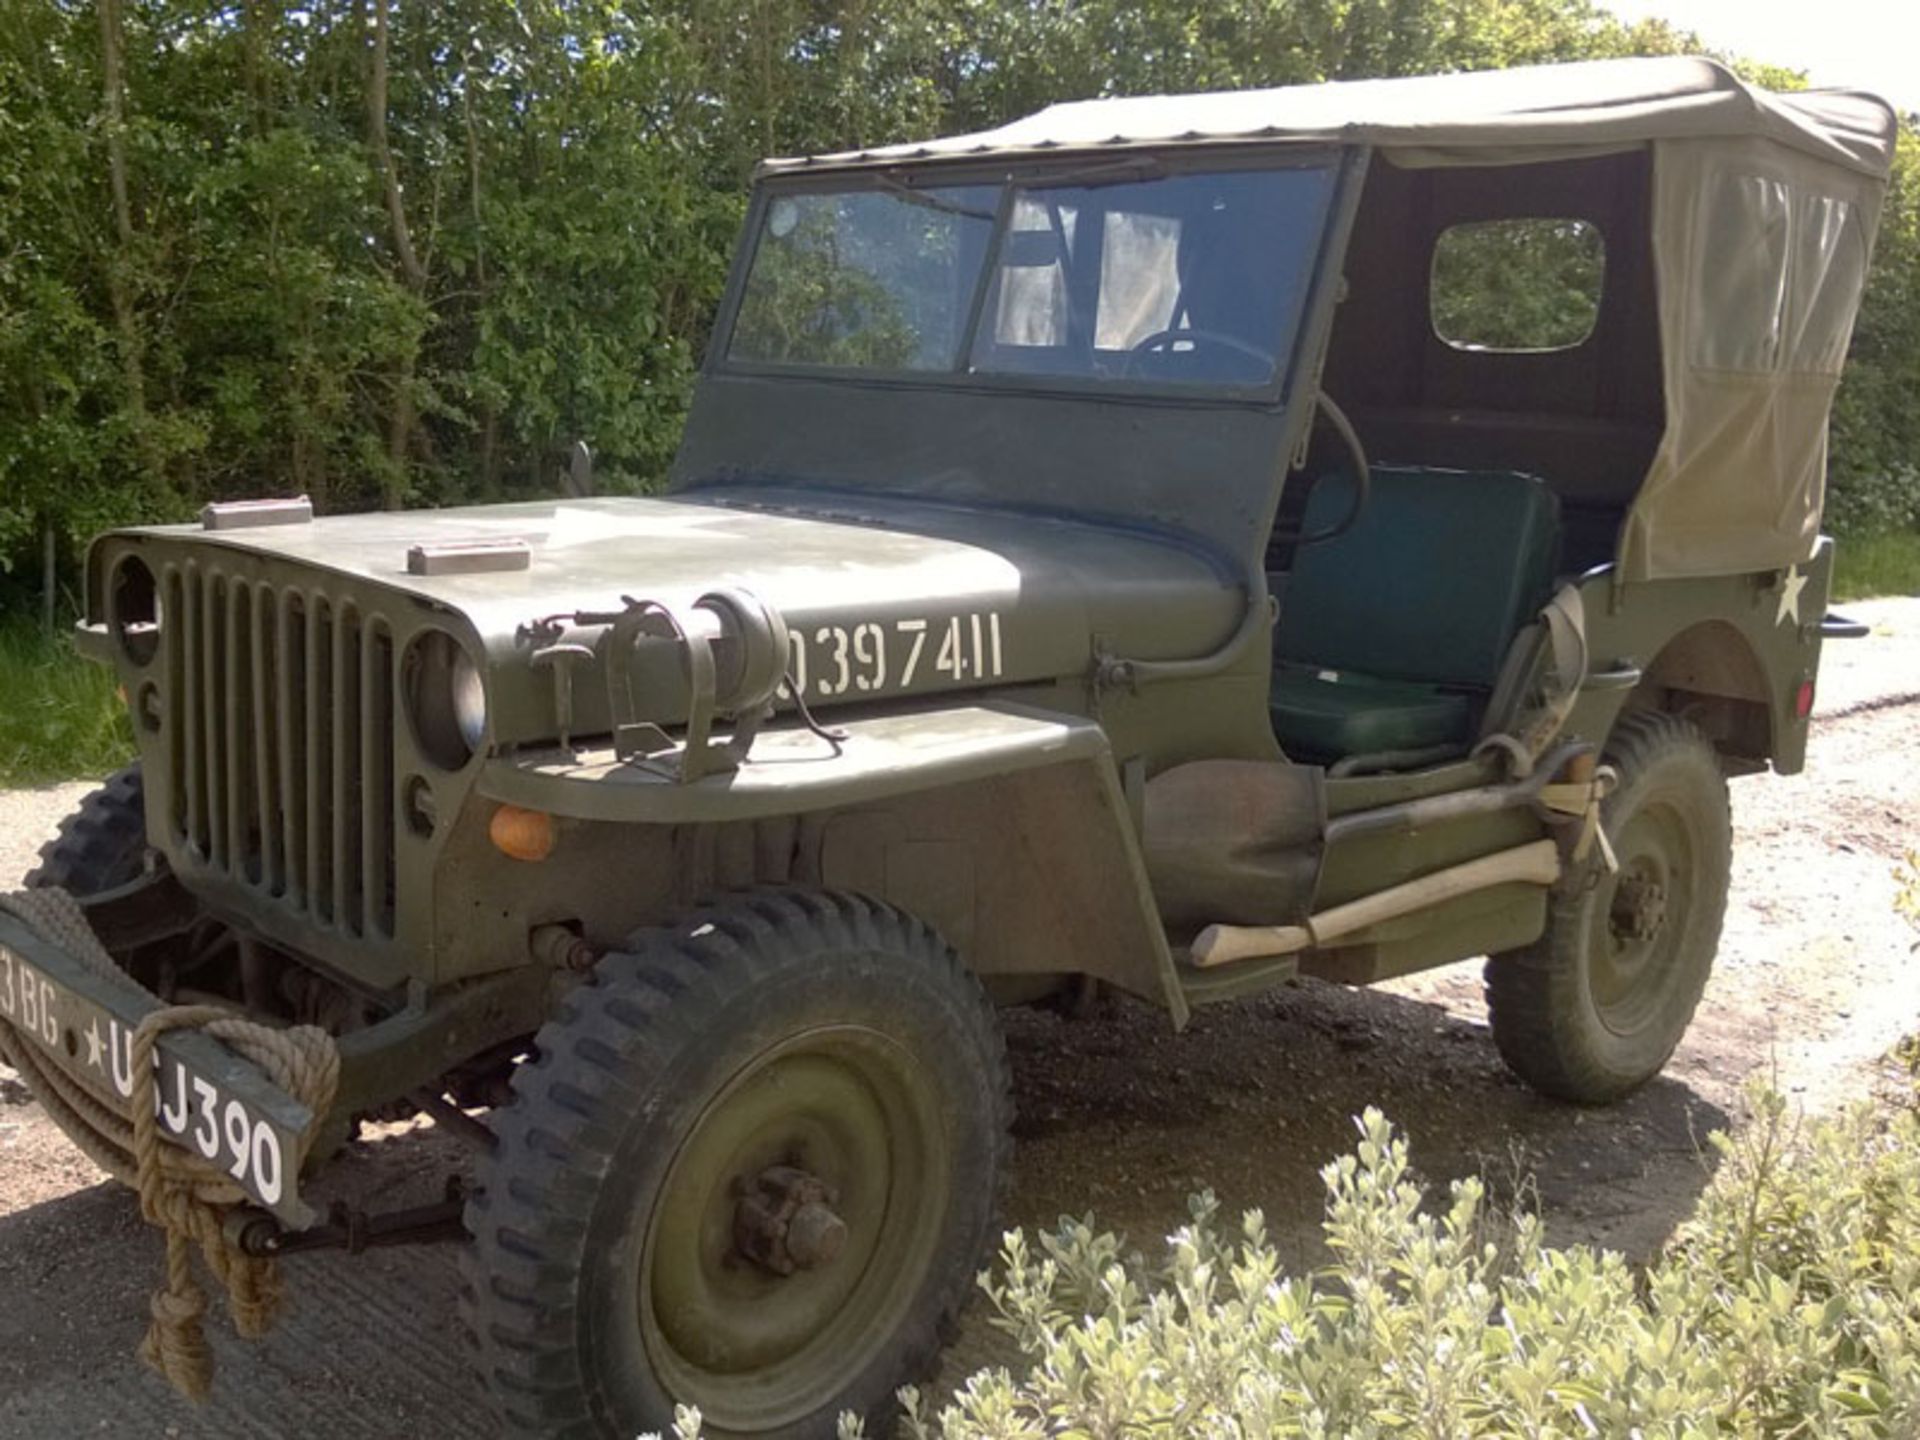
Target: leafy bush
{"x": 61, "y": 716}
{"x": 1877, "y": 502}
{"x": 1789, "y": 1304}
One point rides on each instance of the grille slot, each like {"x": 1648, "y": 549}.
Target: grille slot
{"x": 280, "y": 729}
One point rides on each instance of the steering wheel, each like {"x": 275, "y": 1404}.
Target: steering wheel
{"x": 1161, "y": 339}
{"x": 1362, "y": 478}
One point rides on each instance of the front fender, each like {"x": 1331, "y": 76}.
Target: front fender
{"x": 792, "y": 770}
{"x": 1003, "y": 825}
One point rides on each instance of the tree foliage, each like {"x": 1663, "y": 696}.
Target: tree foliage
{"x": 405, "y": 254}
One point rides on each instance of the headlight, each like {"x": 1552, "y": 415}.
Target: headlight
{"x": 469, "y": 701}
{"x": 133, "y": 610}
{"x": 446, "y": 699}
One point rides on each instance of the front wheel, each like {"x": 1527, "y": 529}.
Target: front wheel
{"x": 754, "y": 1169}
{"x": 1595, "y": 1007}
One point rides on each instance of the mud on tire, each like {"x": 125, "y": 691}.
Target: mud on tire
{"x": 1595, "y": 1007}
{"x": 782, "y": 1034}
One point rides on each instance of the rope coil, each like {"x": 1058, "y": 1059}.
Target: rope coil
{"x": 179, "y": 1192}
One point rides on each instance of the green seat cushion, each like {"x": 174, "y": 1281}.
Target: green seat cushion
{"x": 1324, "y": 715}
{"x": 1432, "y": 584}
{"x": 1392, "y": 635}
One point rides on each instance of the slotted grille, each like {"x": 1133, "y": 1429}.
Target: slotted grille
{"x": 280, "y": 722}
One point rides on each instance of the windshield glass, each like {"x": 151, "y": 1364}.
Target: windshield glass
{"x": 877, "y": 279}
{"x": 1194, "y": 278}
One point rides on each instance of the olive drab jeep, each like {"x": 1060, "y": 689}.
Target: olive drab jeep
{"x": 1166, "y": 544}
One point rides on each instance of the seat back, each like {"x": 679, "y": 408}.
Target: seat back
{"x": 1432, "y": 583}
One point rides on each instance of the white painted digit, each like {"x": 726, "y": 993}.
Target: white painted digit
{"x": 979, "y": 648}
{"x": 29, "y": 1002}
{"x": 918, "y": 630}
{"x": 267, "y": 1168}
{"x": 949, "y": 657}
{"x": 799, "y": 663}
{"x": 833, "y": 635}
{"x": 6, "y": 989}
{"x": 206, "y": 1133}
{"x": 870, "y": 652}
{"x": 239, "y": 1141}
{"x": 993, "y": 634}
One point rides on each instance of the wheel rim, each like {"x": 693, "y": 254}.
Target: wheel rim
{"x": 839, "y": 1123}
{"x": 1639, "y": 917}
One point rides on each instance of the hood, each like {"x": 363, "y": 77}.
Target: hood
{"x": 882, "y": 597}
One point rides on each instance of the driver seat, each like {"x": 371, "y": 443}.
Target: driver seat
{"x": 1392, "y": 635}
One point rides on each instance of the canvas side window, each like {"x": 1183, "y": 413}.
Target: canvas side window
{"x": 1526, "y": 285}
{"x": 1829, "y": 257}
{"x": 1034, "y": 263}
{"x": 1740, "y": 300}
{"x": 1779, "y": 274}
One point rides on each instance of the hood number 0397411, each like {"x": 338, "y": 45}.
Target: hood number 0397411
{"x": 874, "y": 655}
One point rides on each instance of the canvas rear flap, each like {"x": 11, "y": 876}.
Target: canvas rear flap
{"x": 1760, "y": 254}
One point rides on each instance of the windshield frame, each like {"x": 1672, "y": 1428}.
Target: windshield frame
{"x": 1079, "y": 168}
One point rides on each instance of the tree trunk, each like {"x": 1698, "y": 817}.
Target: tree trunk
{"x": 120, "y": 263}
{"x": 49, "y": 572}
{"x": 412, "y": 272}
{"x": 490, "y": 413}
{"x": 410, "y": 267}
{"x": 256, "y": 25}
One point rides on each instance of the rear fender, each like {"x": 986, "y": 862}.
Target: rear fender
{"x": 1729, "y": 652}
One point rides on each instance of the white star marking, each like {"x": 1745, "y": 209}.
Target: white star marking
{"x": 1791, "y": 584}
{"x": 96, "y": 1047}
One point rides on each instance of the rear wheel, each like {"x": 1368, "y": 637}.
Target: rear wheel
{"x": 753, "y": 1169}
{"x": 1596, "y": 1006}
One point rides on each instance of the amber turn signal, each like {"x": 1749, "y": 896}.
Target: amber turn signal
{"x": 522, "y": 834}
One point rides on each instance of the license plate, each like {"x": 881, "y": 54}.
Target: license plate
{"x": 208, "y": 1100}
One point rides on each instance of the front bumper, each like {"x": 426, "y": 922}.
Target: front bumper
{"x": 210, "y": 1101}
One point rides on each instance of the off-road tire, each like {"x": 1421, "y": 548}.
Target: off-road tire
{"x": 1590, "y": 1011}
{"x": 102, "y": 844}
{"x": 627, "y": 1077}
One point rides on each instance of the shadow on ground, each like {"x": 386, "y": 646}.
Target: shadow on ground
{"x": 1119, "y": 1115}
{"x": 1123, "y": 1116}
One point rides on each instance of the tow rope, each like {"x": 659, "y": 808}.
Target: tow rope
{"x": 179, "y": 1192}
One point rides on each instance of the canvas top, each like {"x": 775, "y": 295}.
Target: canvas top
{"x": 1599, "y": 104}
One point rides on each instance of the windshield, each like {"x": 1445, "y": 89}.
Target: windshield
{"x": 1194, "y": 278}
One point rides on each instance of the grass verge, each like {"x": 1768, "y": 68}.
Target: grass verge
{"x": 59, "y": 714}
{"x": 1876, "y": 565}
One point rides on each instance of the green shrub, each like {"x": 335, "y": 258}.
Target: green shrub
{"x": 1880, "y": 502}
{"x": 1787, "y": 1305}
{"x": 59, "y": 714}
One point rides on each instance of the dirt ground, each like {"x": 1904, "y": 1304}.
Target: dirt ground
{"x": 1117, "y": 1115}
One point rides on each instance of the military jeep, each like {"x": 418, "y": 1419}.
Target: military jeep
{"x": 1168, "y": 544}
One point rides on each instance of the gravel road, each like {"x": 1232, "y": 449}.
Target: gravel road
{"x": 1813, "y": 986}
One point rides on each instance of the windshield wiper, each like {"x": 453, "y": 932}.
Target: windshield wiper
{"x": 901, "y": 190}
